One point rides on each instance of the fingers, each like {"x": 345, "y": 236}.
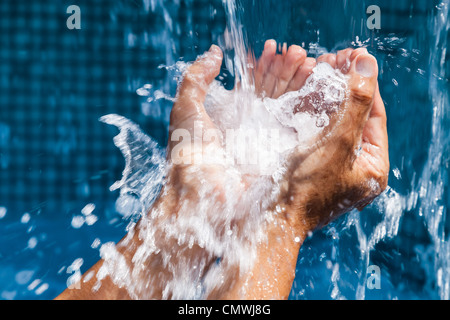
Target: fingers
{"x": 362, "y": 71}
{"x": 264, "y": 65}
{"x": 343, "y": 60}
{"x": 201, "y": 74}
{"x": 328, "y": 58}
{"x": 302, "y": 73}
{"x": 363, "y": 84}
{"x": 375, "y": 131}
{"x": 195, "y": 84}
{"x": 374, "y": 160}
{"x": 271, "y": 77}
{"x": 275, "y": 72}
{"x": 294, "y": 58}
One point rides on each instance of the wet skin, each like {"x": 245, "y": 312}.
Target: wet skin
{"x": 346, "y": 168}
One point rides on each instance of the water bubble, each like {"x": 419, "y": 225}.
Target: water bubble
{"x": 76, "y": 265}
{"x": 24, "y": 276}
{"x": 322, "y": 121}
{"x": 3, "y": 212}
{"x": 34, "y": 284}
{"x": 88, "y": 209}
{"x": 25, "y": 218}
{"x": 77, "y": 222}
{"x": 41, "y": 289}
{"x": 91, "y": 219}
{"x": 8, "y": 295}
{"x": 96, "y": 243}
{"x": 32, "y": 242}
{"x": 143, "y": 92}
{"x": 421, "y": 71}
{"x": 397, "y": 173}
{"x": 128, "y": 204}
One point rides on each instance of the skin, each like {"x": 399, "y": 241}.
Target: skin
{"x": 321, "y": 183}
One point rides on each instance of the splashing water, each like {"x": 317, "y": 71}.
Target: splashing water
{"x": 427, "y": 196}
{"x": 229, "y": 229}
{"x": 146, "y": 168}
{"x": 434, "y": 177}
{"x": 334, "y": 263}
{"x": 219, "y": 234}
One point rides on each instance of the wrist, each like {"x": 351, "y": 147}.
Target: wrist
{"x": 273, "y": 271}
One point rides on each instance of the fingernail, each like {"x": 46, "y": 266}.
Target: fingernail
{"x": 213, "y": 48}
{"x": 364, "y": 65}
{"x": 270, "y": 43}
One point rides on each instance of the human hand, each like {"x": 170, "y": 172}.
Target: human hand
{"x": 348, "y": 166}
{"x": 164, "y": 259}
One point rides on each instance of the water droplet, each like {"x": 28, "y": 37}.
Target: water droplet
{"x": 24, "y": 276}
{"x": 143, "y": 92}
{"x": 25, "y": 218}
{"x": 87, "y": 210}
{"x": 91, "y": 219}
{"x": 41, "y": 289}
{"x": 96, "y": 243}
{"x": 397, "y": 174}
{"x": 32, "y": 242}
{"x": 34, "y": 284}
{"x": 3, "y": 212}
{"x": 77, "y": 222}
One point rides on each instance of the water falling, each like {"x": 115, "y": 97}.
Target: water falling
{"x": 405, "y": 231}
{"x": 434, "y": 177}
{"x": 146, "y": 168}
{"x": 227, "y": 226}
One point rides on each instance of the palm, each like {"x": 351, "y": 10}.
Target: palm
{"x": 330, "y": 179}
{"x": 344, "y": 181}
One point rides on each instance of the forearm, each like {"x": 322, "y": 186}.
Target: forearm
{"x": 103, "y": 281}
{"x": 270, "y": 276}
{"x": 86, "y": 288}
{"x": 273, "y": 272}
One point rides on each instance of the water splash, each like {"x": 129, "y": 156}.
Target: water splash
{"x": 434, "y": 177}
{"x": 227, "y": 229}
{"x": 390, "y": 206}
{"x": 230, "y": 228}
{"x": 145, "y": 167}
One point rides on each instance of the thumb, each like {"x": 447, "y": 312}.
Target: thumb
{"x": 194, "y": 86}
{"x": 362, "y": 87}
